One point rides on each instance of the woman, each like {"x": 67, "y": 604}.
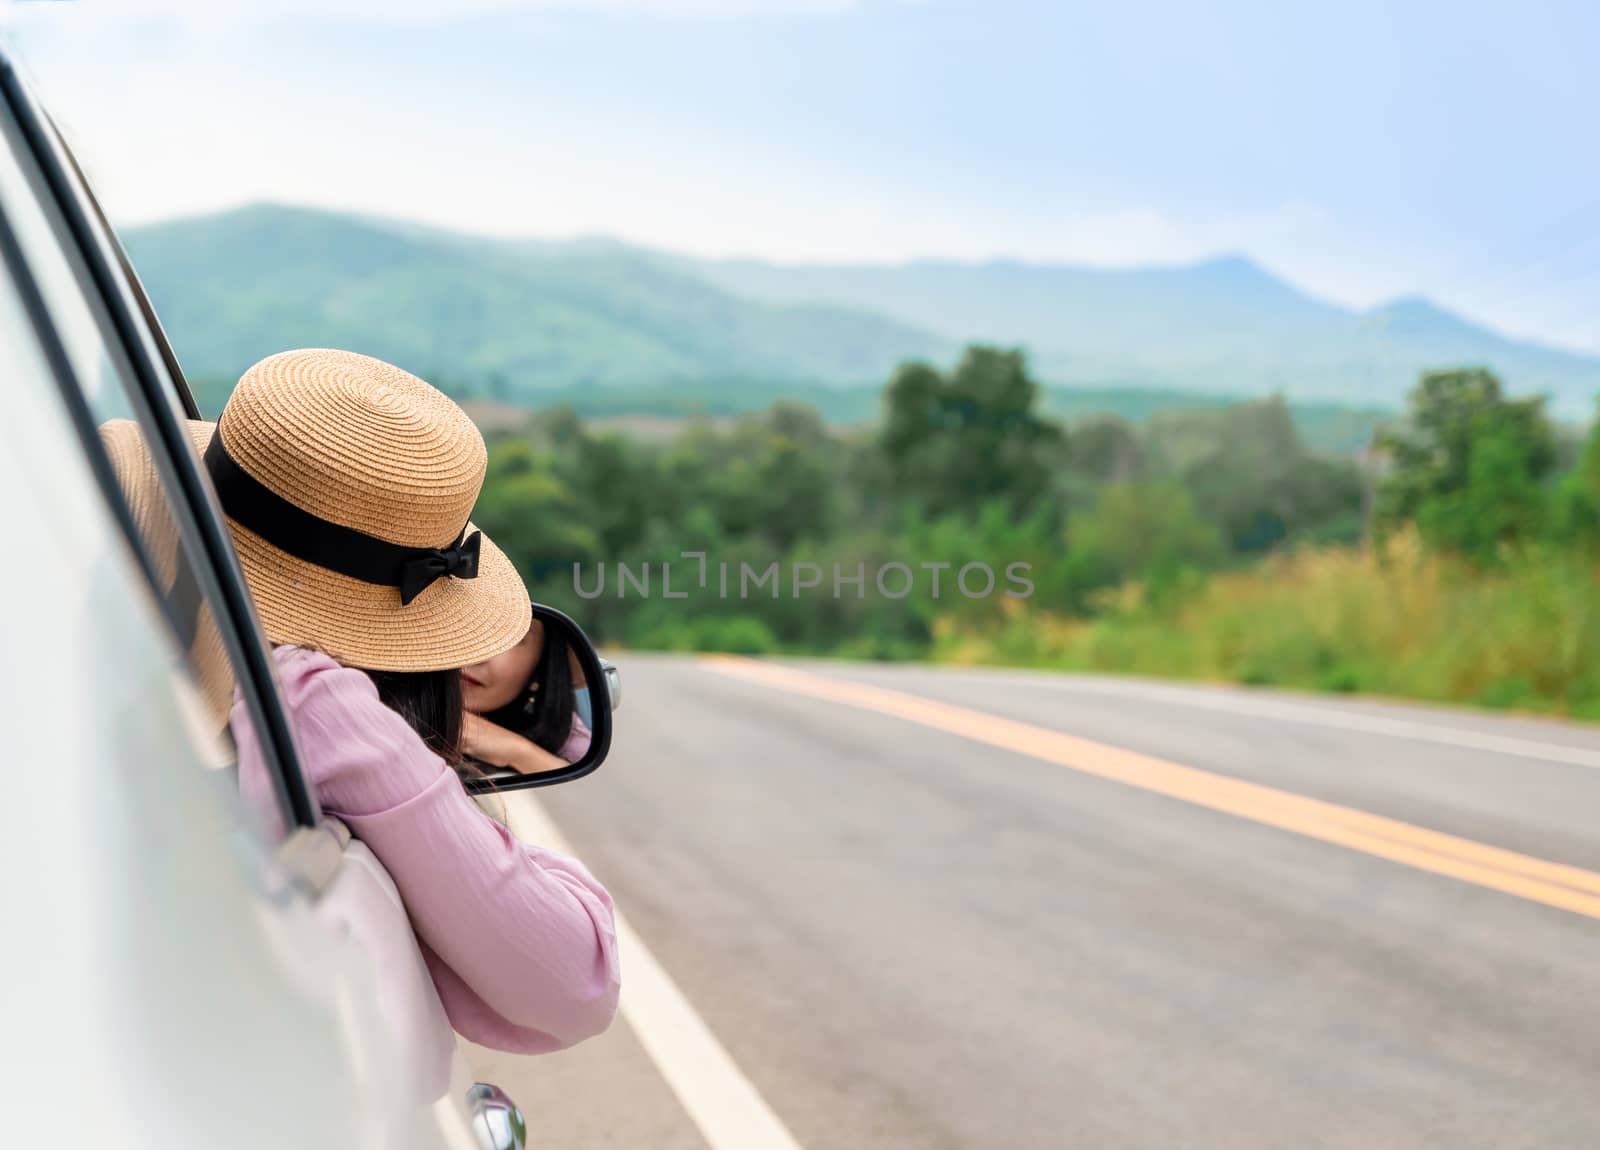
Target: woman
{"x": 527, "y": 708}
{"x": 347, "y": 484}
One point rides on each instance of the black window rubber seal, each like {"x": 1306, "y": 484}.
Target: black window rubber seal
{"x": 195, "y": 528}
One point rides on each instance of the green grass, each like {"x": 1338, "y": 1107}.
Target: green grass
{"x": 1402, "y": 623}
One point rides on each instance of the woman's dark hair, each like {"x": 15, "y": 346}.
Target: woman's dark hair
{"x": 547, "y": 720}
{"x": 430, "y": 702}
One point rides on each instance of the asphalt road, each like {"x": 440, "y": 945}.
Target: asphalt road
{"x": 910, "y": 938}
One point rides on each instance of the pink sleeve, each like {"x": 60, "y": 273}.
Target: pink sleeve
{"x": 520, "y": 940}
{"x": 577, "y": 744}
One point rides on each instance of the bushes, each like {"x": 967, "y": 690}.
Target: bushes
{"x": 1208, "y": 544}
{"x": 731, "y": 635}
{"x": 1402, "y": 622}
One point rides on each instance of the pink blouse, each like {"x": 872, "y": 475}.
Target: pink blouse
{"x": 520, "y": 940}
{"x": 578, "y": 740}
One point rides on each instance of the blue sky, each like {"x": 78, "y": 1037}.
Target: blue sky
{"x": 1363, "y": 150}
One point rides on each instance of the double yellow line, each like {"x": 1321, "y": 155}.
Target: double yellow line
{"x": 1538, "y": 880}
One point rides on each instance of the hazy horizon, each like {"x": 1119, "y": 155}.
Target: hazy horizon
{"x": 1362, "y": 155}
{"x": 599, "y": 239}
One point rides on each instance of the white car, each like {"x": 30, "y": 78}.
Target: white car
{"x": 174, "y": 975}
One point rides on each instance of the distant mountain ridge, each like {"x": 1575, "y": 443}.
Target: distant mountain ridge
{"x": 518, "y": 318}
{"x": 232, "y": 288}
{"x": 1224, "y": 325}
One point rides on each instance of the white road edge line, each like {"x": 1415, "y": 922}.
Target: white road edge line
{"x": 1311, "y": 715}
{"x": 719, "y": 1098}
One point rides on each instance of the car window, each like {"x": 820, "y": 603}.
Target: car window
{"x": 134, "y": 465}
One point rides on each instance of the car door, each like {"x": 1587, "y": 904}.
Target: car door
{"x": 334, "y": 943}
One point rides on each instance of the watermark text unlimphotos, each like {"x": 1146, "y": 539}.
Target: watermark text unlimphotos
{"x": 678, "y": 579}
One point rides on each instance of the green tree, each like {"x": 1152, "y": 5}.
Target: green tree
{"x": 789, "y": 485}
{"x": 533, "y": 515}
{"x": 954, "y": 442}
{"x": 1469, "y": 465}
{"x": 1134, "y": 530}
{"x": 1105, "y": 449}
{"x": 1250, "y": 473}
{"x": 1575, "y": 503}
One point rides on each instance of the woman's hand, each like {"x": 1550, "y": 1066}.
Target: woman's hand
{"x": 491, "y": 743}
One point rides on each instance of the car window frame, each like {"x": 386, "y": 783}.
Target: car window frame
{"x": 162, "y": 402}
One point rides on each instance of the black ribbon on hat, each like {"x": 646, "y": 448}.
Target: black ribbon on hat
{"x": 249, "y": 503}
{"x": 459, "y": 561}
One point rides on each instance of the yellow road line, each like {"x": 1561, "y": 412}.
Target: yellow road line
{"x": 1538, "y": 880}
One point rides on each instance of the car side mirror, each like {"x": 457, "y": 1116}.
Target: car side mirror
{"x": 587, "y": 673}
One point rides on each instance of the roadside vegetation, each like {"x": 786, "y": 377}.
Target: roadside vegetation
{"x": 1453, "y": 559}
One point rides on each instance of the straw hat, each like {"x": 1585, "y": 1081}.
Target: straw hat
{"x": 348, "y": 483}
{"x": 152, "y": 520}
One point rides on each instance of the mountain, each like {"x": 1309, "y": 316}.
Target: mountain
{"x": 516, "y": 319}
{"x": 232, "y": 288}
{"x": 1222, "y": 326}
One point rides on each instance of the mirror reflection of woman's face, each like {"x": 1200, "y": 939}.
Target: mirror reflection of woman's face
{"x": 500, "y": 681}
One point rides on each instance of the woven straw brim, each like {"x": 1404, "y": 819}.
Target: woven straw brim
{"x": 152, "y": 519}
{"x": 453, "y": 623}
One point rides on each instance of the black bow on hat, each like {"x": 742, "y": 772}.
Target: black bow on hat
{"x": 423, "y": 568}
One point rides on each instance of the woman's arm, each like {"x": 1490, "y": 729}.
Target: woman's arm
{"x": 489, "y": 742}
{"x": 520, "y": 940}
